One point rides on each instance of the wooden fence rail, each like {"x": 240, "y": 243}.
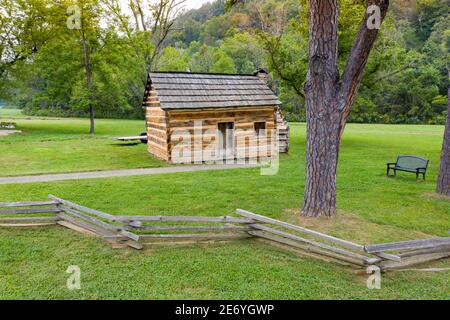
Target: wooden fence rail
{"x": 412, "y": 244}
{"x": 27, "y": 204}
{"x": 322, "y": 236}
{"x": 28, "y": 214}
{"x": 401, "y": 254}
{"x": 137, "y": 231}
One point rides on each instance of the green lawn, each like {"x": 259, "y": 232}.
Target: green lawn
{"x": 10, "y": 113}
{"x": 52, "y": 145}
{"x": 372, "y": 208}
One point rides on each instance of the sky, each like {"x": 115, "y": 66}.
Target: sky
{"x": 195, "y": 4}
{"x": 189, "y": 4}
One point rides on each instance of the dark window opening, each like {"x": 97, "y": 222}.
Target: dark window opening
{"x": 260, "y": 129}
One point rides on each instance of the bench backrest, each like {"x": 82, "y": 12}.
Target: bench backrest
{"x": 411, "y": 162}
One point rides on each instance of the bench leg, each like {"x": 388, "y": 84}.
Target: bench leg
{"x": 388, "y": 171}
{"x": 417, "y": 176}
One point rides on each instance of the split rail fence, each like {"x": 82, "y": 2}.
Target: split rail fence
{"x": 137, "y": 231}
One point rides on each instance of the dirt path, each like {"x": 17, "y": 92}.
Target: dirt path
{"x": 4, "y": 133}
{"x": 117, "y": 173}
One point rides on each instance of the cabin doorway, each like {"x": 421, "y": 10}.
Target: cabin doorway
{"x": 225, "y": 140}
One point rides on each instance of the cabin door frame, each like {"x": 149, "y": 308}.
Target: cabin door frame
{"x": 225, "y": 140}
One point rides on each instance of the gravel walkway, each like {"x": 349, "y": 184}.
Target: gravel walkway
{"x": 118, "y": 173}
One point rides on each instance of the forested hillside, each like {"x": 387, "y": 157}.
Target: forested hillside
{"x": 44, "y": 64}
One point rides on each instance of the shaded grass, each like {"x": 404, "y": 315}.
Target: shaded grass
{"x": 372, "y": 208}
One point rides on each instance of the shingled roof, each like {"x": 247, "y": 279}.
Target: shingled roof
{"x": 199, "y": 90}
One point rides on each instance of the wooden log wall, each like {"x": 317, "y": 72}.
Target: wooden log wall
{"x": 183, "y": 138}
{"x": 283, "y": 132}
{"x": 157, "y": 127}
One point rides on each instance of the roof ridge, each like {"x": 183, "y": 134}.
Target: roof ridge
{"x": 206, "y": 73}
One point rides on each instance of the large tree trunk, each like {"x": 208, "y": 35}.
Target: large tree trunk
{"x": 329, "y": 100}
{"x": 321, "y": 164}
{"x": 443, "y": 183}
{"x": 322, "y": 113}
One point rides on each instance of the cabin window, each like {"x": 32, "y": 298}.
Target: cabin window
{"x": 225, "y": 139}
{"x": 260, "y": 129}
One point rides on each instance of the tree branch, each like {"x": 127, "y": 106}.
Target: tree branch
{"x": 357, "y": 60}
{"x": 411, "y": 65}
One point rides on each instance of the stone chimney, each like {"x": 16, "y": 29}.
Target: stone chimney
{"x": 262, "y": 75}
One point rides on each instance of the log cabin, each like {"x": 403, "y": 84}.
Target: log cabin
{"x": 207, "y": 118}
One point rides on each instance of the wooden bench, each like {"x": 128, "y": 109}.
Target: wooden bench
{"x": 411, "y": 164}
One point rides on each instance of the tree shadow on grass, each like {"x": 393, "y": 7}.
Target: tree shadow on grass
{"x": 128, "y": 144}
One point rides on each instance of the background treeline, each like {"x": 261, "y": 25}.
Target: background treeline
{"x": 44, "y": 67}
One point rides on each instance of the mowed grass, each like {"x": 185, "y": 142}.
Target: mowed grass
{"x": 10, "y": 113}
{"x": 372, "y": 209}
{"x": 53, "y": 145}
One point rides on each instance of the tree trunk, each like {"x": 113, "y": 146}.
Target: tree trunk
{"x": 91, "y": 119}
{"x": 329, "y": 100}
{"x": 322, "y": 152}
{"x": 88, "y": 70}
{"x": 322, "y": 113}
{"x": 443, "y": 183}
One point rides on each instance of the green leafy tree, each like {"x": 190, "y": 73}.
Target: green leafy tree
{"x": 212, "y": 59}
{"x": 428, "y": 13}
{"x": 245, "y": 51}
{"x": 222, "y": 62}
{"x": 173, "y": 59}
